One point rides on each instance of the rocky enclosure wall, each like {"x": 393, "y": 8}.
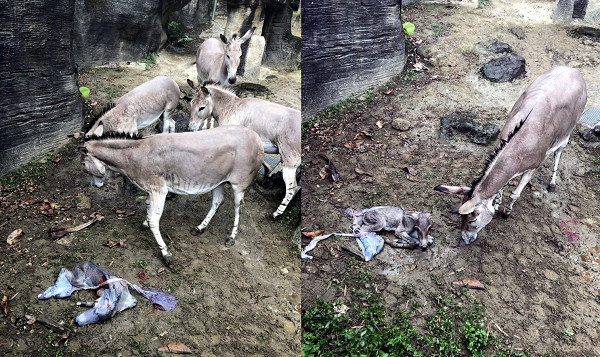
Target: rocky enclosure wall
{"x": 40, "y": 99}
{"x": 347, "y": 47}
{"x": 586, "y": 12}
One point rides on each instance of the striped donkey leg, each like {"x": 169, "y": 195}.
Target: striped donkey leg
{"x": 291, "y": 188}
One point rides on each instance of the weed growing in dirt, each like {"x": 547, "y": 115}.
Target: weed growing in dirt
{"x": 482, "y": 3}
{"x": 150, "y": 60}
{"x": 175, "y": 34}
{"x": 29, "y": 173}
{"x": 452, "y": 324}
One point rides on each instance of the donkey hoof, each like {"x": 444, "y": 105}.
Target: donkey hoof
{"x": 196, "y": 232}
{"x": 229, "y": 242}
{"x": 552, "y": 187}
{"x": 504, "y": 214}
{"x": 168, "y": 259}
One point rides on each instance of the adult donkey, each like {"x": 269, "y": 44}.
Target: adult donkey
{"x": 182, "y": 163}
{"x": 141, "y": 107}
{"x": 218, "y": 61}
{"x": 278, "y": 127}
{"x": 539, "y": 124}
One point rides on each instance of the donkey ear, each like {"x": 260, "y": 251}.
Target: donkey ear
{"x": 457, "y": 190}
{"x": 191, "y": 83}
{"x": 247, "y": 35}
{"x": 428, "y": 215}
{"x": 99, "y": 130}
{"x": 223, "y": 38}
{"x": 470, "y": 206}
{"x": 414, "y": 215}
{"x": 205, "y": 91}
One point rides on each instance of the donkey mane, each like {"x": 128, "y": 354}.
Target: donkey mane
{"x": 496, "y": 152}
{"x": 219, "y": 86}
{"x": 107, "y": 108}
{"x": 114, "y": 135}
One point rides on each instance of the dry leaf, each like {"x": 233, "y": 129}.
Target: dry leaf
{"x": 323, "y": 172}
{"x": 380, "y": 124}
{"x": 419, "y": 66}
{"x": 349, "y": 144}
{"x": 470, "y": 283}
{"x": 14, "y": 236}
{"x": 362, "y": 172}
{"x": 175, "y": 348}
{"x": 4, "y": 304}
{"x": 313, "y": 233}
{"x": 111, "y": 244}
{"x": 388, "y": 92}
{"x": 586, "y": 276}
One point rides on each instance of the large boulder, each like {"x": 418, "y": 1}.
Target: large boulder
{"x": 195, "y": 13}
{"x": 122, "y": 30}
{"x": 348, "y": 46}
{"x": 40, "y": 99}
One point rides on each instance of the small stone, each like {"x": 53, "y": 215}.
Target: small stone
{"x": 83, "y": 201}
{"x": 500, "y": 47}
{"x": 504, "y": 69}
{"x": 288, "y": 327}
{"x": 518, "y": 32}
{"x": 401, "y": 124}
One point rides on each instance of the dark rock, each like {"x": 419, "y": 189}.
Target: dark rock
{"x": 464, "y": 123}
{"x": 251, "y": 89}
{"x": 195, "y": 13}
{"x": 347, "y": 49}
{"x": 500, "y": 47}
{"x": 40, "y": 99}
{"x": 587, "y": 32}
{"x": 591, "y": 135}
{"x": 504, "y": 69}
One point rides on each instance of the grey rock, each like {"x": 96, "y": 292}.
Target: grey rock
{"x": 254, "y": 57}
{"x": 518, "y": 32}
{"x": 591, "y": 135}
{"x": 347, "y": 49}
{"x": 401, "y": 124}
{"x": 83, "y": 202}
{"x": 194, "y": 13}
{"x": 500, "y": 47}
{"x": 464, "y": 123}
{"x": 580, "y": 11}
{"x": 282, "y": 49}
{"x": 504, "y": 69}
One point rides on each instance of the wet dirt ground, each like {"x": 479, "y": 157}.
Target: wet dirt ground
{"x": 240, "y": 300}
{"x": 540, "y": 266}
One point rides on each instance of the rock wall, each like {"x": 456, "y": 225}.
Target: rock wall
{"x": 585, "y": 12}
{"x": 195, "y": 13}
{"x": 282, "y": 48}
{"x": 120, "y": 30}
{"x": 40, "y": 98}
{"x": 347, "y": 47}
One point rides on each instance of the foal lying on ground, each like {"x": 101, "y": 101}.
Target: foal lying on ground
{"x": 183, "y": 163}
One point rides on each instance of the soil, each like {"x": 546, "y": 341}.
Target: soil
{"x": 540, "y": 266}
{"x": 243, "y": 299}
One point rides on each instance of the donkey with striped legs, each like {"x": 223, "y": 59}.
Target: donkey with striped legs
{"x": 539, "y": 124}
{"x": 218, "y": 61}
{"x": 141, "y": 107}
{"x": 278, "y": 127}
{"x": 183, "y": 163}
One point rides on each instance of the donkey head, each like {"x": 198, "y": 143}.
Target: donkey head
{"x": 475, "y": 212}
{"x": 422, "y": 225}
{"x": 201, "y": 106}
{"x": 94, "y": 167}
{"x": 233, "y": 52}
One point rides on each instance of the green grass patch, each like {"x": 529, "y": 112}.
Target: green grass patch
{"x": 176, "y": 36}
{"x": 452, "y": 323}
{"x": 150, "y": 60}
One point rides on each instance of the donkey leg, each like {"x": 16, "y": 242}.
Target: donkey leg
{"x": 217, "y": 199}
{"x": 205, "y": 124}
{"x": 557, "y": 153}
{"x": 527, "y": 175}
{"x": 168, "y": 123}
{"x": 157, "y": 204}
{"x": 238, "y": 197}
{"x": 498, "y": 199}
{"x": 212, "y": 122}
{"x": 145, "y": 223}
{"x": 291, "y": 188}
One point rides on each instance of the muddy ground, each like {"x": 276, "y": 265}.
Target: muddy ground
{"x": 539, "y": 266}
{"x": 240, "y": 300}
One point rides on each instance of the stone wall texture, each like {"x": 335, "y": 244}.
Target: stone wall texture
{"x": 40, "y": 102}
{"x": 347, "y": 47}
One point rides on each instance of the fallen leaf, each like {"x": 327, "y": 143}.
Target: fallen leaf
{"x": 362, "y": 172}
{"x": 380, "y": 124}
{"x": 389, "y": 91}
{"x": 120, "y": 211}
{"x": 175, "y": 348}
{"x": 111, "y": 244}
{"x": 419, "y": 66}
{"x": 57, "y": 159}
{"x": 14, "y": 236}
{"x": 586, "y": 276}
{"x": 313, "y": 233}
{"x": 323, "y": 172}
{"x": 4, "y": 304}
{"x": 470, "y": 283}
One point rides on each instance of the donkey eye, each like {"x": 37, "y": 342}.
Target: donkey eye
{"x": 227, "y": 56}
{"x": 201, "y": 109}
{"x": 473, "y": 221}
